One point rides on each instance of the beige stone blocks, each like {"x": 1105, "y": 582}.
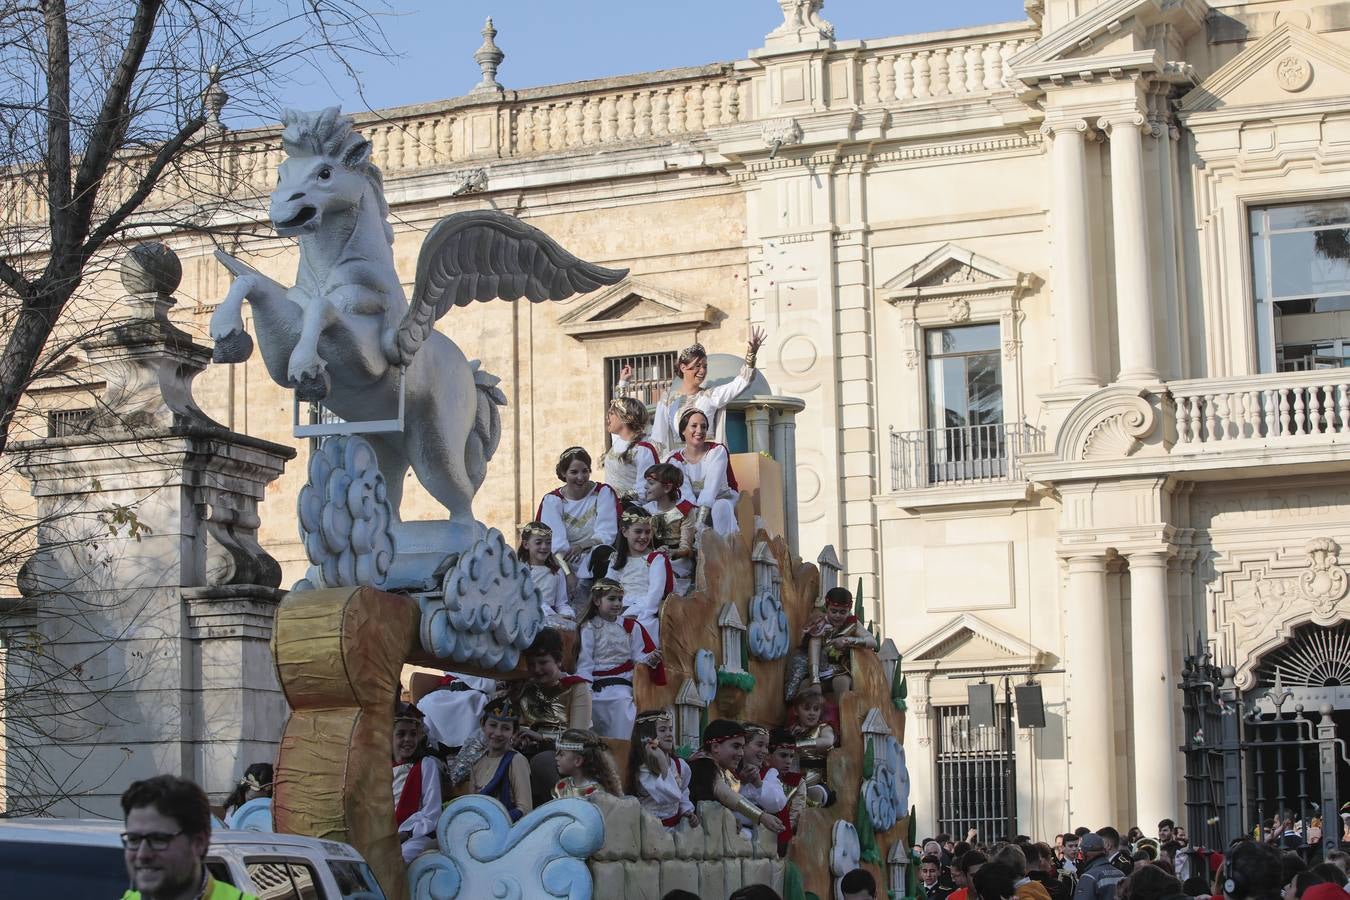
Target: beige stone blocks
{"x": 641, "y": 860}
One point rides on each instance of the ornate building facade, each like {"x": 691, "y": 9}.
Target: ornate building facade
{"x": 1063, "y": 299}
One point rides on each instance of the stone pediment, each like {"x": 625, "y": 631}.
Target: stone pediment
{"x": 1288, "y": 67}
{"x": 1116, "y": 36}
{"x": 949, "y": 270}
{"x": 968, "y": 642}
{"x": 633, "y": 305}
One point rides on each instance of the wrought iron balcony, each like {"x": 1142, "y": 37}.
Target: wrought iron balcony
{"x": 968, "y": 454}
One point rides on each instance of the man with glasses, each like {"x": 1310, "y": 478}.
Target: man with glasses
{"x": 168, "y": 830}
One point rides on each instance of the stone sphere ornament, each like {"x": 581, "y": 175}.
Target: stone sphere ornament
{"x": 151, "y": 269}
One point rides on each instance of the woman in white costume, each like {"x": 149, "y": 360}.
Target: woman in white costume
{"x": 584, "y": 518}
{"x": 693, "y": 367}
{"x": 631, "y": 453}
{"x": 709, "y": 482}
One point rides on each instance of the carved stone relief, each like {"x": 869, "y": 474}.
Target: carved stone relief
{"x": 1261, "y": 598}
{"x": 1293, "y": 73}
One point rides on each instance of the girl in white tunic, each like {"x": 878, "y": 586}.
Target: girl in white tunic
{"x": 536, "y": 551}
{"x": 417, "y": 785}
{"x": 644, "y": 573}
{"x": 658, "y": 777}
{"x": 584, "y": 518}
{"x": 693, "y": 366}
{"x": 631, "y": 452}
{"x": 611, "y": 649}
{"x": 709, "y": 482}
{"x": 760, "y": 783}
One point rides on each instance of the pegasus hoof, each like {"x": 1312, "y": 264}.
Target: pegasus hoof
{"x": 311, "y": 388}
{"x": 234, "y": 347}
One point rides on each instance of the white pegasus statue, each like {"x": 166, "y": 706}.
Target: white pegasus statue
{"x": 345, "y": 332}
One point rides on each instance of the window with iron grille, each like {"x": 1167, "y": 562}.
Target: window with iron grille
{"x": 66, "y": 422}
{"x": 652, "y": 374}
{"x": 972, "y": 773}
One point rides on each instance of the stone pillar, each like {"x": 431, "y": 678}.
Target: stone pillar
{"x": 757, "y": 429}
{"x": 785, "y": 451}
{"x": 1155, "y": 696}
{"x": 1071, "y": 285}
{"x": 1091, "y": 727}
{"x": 1135, "y": 309}
{"x": 151, "y": 597}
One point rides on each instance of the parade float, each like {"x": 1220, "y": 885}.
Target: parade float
{"x": 382, "y": 592}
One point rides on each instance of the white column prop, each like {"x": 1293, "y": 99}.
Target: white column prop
{"x": 1155, "y": 695}
{"x": 1091, "y": 730}
{"x": 1134, "y": 280}
{"x": 1071, "y": 283}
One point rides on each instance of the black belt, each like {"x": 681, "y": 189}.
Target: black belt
{"x": 602, "y": 683}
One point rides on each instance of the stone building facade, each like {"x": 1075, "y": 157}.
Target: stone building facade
{"x": 1063, "y": 298}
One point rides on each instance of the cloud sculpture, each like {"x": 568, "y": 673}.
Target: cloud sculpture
{"x": 845, "y": 851}
{"x": 345, "y": 516}
{"x": 255, "y": 815}
{"x": 489, "y": 610}
{"x": 705, "y": 675}
{"x": 768, "y": 627}
{"x": 881, "y": 795}
{"x": 542, "y": 855}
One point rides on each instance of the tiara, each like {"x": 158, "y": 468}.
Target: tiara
{"x": 574, "y": 746}
{"x": 605, "y": 585}
{"x": 501, "y": 708}
{"x": 532, "y": 529}
{"x": 693, "y": 350}
{"x": 253, "y": 782}
{"x": 632, "y": 516}
{"x": 752, "y": 728}
{"x": 571, "y": 451}
{"x": 654, "y": 715}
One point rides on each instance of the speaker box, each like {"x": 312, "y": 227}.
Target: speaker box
{"x": 981, "y": 700}
{"x": 1030, "y": 706}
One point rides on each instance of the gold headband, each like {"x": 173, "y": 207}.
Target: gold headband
{"x": 752, "y": 728}
{"x": 532, "y": 529}
{"x": 654, "y": 715}
{"x": 633, "y": 517}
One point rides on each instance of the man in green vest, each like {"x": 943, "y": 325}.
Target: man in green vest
{"x": 168, "y": 830}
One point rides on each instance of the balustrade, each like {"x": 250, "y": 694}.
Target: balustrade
{"x": 1291, "y": 408}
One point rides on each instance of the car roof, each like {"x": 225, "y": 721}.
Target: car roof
{"x": 106, "y": 832}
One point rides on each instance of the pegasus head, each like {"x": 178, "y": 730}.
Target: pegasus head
{"x": 327, "y": 169}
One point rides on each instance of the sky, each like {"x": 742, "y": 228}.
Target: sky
{"x": 556, "y": 41}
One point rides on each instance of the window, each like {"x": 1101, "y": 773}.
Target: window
{"x": 355, "y": 880}
{"x": 220, "y": 871}
{"x": 43, "y": 869}
{"x": 1301, "y": 283}
{"x": 282, "y": 879}
{"x": 652, "y": 374}
{"x": 67, "y": 422}
{"x": 966, "y": 436}
{"x": 974, "y": 774}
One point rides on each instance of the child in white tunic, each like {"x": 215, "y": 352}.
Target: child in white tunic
{"x": 659, "y": 777}
{"x": 760, "y": 783}
{"x": 709, "y": 482}
{"x": 630, "y": 453}
{"x": 643, "y": 573}
{"x": 536, "y": 551}
{"x": 417, "y": 785}
{"x": 673, "y": 522}
{"x": 611, "y": 649}
{"x": 584, "y": 518}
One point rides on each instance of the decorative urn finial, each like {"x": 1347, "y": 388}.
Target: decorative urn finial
{"x": 489, "y": 57}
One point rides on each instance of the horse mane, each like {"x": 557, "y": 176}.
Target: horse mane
{"x": 329, "y": 133}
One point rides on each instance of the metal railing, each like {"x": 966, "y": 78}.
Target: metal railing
{"x": 961, "y": 455}
{"x": 652, "y": 374}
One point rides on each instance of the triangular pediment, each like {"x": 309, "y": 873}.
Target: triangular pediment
{"x": 967, "y": 639}
{"x": 633, "y": 305}
{"x": 1115, "y": 35}
{"x": 951, "y": 269}
{"x": 1286, "y": 68}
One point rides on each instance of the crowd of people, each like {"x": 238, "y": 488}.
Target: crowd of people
{"x": 1104, "y": 865}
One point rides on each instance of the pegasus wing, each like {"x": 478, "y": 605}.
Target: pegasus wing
{"x": 486, "y": 255}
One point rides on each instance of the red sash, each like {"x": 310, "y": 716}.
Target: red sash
{"x": 410, "y": 801}
{"x": 672, "y": 821}
{"x": 658, "y": 674}
{"x": 670, "y": 573}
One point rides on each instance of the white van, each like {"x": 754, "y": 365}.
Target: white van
{"x": 83, "y": 858}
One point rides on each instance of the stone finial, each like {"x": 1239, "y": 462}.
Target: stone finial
{"x": 150, "y": 274}
{"x": 489, "y": 57}
{"x": 215, "y": 99}
{"x": 801, "y": 23}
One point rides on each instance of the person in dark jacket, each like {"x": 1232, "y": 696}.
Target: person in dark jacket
{"x": 1097, "y": 878}
{"x": 1114, "y": 854}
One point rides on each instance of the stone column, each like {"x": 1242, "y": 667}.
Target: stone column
{"x": 757, "y": 429}
{"x": 1134, "y": 280}
{"x": 1071, "y": 286}
{"x": 1155, "y": 696}
{"x": 1091, "y": 727}
{"x": 784, "y": 429}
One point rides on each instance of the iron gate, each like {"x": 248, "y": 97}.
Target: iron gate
{"x": 974, "y": 765}
{"x": 1272, "y": 752}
